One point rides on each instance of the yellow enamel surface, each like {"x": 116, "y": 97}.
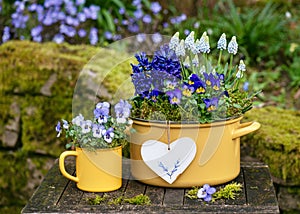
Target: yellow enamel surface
{"x": 217, "y": 158}
{"x": 96, "y": 171}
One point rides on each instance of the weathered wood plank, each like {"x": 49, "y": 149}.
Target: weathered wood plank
{"x": 156, "y": 194}
{"x": 50, "y": 191}
{"x": 134, "y": 188}
{"x": 173, "y": 197}
{"x": 55, "y": 193}
{"x": 71, "y": 196}
{"x": 259, "y": 186}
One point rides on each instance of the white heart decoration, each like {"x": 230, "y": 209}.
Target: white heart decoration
{"x": 169, "y": 164}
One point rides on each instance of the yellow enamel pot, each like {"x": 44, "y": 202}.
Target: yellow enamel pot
{"x": 96, "y": 171}
{"x": 217, "y": 158}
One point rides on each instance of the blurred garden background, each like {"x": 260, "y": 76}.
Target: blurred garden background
{"x": 45, "y": 44}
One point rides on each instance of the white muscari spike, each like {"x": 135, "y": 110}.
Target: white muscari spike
{"x": 222, "y": 43}
{"x": 180, "y": 51}
{"x": 174, "y": 42}
{"x": 196, "y": 47}
{"x": 202, "y": 69}
{"x": 186, "y": 62}
{"x": 195, "y": 61}
{"x": 204, "y": 43}
{"x": 242, "y": 66}
{"x": 239, "y": 74}
{"x": 189, "y": 40}
{"x": 233, "y": 46}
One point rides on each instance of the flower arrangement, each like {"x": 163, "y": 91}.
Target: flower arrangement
{"x": 104, "y": 131}
{"x": 183, "y": 82}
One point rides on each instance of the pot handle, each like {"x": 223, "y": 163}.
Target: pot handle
{"x": 245, "y": 128}
{"x": 62, "y": 165}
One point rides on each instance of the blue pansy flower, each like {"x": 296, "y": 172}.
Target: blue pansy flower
{"x": 174, "y": 96}
{"x": 101, "y": 112}
{"x": 211, "y": 104}
{"x": 122, "y": 110}
{"x": 108, "y": 134}
{"x": 58, "y": 129}
{"x": 206, "y": 192}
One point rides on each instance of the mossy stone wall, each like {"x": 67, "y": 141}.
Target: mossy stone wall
{"x": 36, "y": 90}
{"x": 277, "y": 143}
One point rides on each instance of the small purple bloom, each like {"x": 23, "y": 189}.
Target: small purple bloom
{"x": 108, "y": 35}
{"x": 92, "y": 12}
{"x": 138, "y": 14}
{"x": 147, "y": 19}
{"x": 174, "y": 96}
{"x": 6, "y": 34}
{"x": 136, "y": 2}
{"x": 70, "y": 8}
{"x": 80, "y": 2}
{"x": 93, "y": 36}
{"x": 122, "y": 10}
{"x": 206, "y": 192}
{"x": 187, "y": 32}
{"x": 58, "y": 38}
{"x": 81, "y": 17}
{"x": 165, "y": 24}
{"x": 157, "y": 38}
{"x": 36, "y": 31}
{"x": 81, "y": 33}
{"x": 37, "y": 38}
{"x": 133, "y": 28}
{"x": 246, "y": 86}
{"x": 155, "y": 7}
{"x": 67, "y": 30}
{"x": 141, "y": 37}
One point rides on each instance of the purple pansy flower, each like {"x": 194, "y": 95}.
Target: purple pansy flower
{"x": 101, "y": 112}
{"x": 58, "y": 129}
{"x": 211, "y": 104}
{"x": 174, "y": 96}
{"x": 122, "y": 110}
{"x": 97, "y": 130}
{"x": 206, "y": 192}
{"x": 108, "y": 134}
{"x": 86, "y": 126}
{"x": 78, "y": 120}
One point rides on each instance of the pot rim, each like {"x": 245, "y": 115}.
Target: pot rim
{"x": 186, "y": 124}
{"x": 99, "y": 149}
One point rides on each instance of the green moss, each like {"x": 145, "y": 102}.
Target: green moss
{"x": 97, "y": 199}
{"x": 277, "y": 142}
{"x": 230, "y": 191}
{"x": 138, "y": 200}
{"x": 26, "y": 66}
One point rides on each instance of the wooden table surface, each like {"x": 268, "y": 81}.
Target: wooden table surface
{"x": 56, "y": 194}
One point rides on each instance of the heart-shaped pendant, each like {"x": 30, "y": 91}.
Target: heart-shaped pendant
{"x": 169, "y": 162}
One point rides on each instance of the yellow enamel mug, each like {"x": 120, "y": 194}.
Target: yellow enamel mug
{"x": 96, "y": 171}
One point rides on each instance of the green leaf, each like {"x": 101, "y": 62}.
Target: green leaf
{"x": 109, "y": 20}
{"x": 118, "y": 3}
{"x": 237, "y": 105}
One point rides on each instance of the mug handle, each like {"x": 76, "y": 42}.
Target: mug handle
{"x": 245, "y": 128}
{"x": 62, "y": 165}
